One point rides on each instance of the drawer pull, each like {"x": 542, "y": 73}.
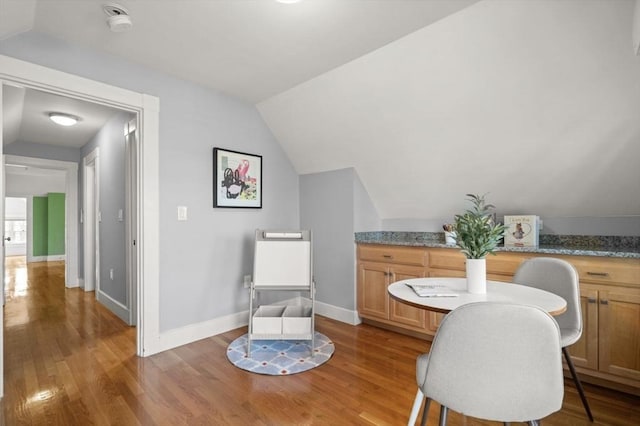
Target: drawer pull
{"x": 591, "y": 300}
{"x": 604, "y": 302}
{"x": 598, "y": 274}
{"x": 387, "y": 256}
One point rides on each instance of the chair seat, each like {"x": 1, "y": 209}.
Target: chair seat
{"x": 568, "y": 336}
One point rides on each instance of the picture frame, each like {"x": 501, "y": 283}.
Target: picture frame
{"x": 237, "y": 179}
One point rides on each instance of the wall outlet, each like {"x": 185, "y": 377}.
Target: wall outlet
{"x": 247, "y": 281}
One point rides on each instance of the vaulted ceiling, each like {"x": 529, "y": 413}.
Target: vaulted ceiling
{"x": 534, "y": 101}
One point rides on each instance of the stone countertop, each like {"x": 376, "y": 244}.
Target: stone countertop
{"x": 622, "y": 247}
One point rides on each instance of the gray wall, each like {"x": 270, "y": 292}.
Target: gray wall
{"x": 37, "y": 150}
{"x": 331, "y": 204}
{"x": 111, "y": 142}
{"x": 202, "y": 260}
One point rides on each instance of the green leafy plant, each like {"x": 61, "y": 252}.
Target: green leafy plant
{"x": 476, "y": 232}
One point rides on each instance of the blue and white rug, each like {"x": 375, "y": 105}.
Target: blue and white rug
{"x": 280, "y": 357}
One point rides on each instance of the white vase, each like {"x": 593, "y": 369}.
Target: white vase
{"x": 477, "y": 276}
{"x": 450, "y": 238}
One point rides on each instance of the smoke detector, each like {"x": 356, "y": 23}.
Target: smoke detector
{"x": 118, "y": 19}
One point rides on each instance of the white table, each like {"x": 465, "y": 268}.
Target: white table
{"x": 496, "y": 292}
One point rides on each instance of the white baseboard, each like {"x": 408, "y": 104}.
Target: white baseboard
{"x": 191, "y": 333}
{"x": 114, "y": 306}
{"x": 337, "y": 313}
{"x": 53, "y": 258}
{"x": 80, "y": 282}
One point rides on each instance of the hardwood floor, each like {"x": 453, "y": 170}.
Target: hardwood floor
{"x": 69, "y": 361}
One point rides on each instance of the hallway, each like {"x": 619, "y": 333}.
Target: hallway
{"x": 61, "y": 348}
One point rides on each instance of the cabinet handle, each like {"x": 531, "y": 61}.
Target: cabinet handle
{"x": 387, "y": 256}
{"x": 591, "y": 300}
{"x": 604, "y": 302}
{"x": 598, "y": 274}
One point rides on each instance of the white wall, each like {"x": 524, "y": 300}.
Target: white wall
{"x": 535, "y": 102}
{"x": 34, "y": 182}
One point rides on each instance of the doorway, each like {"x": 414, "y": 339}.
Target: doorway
{"x": 146, "y": 107}
{"x": 90, "y": 224}
{"x": 15, "y": 226}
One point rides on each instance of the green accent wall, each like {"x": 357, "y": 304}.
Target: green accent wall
{"x": 48, "y": 233}
{"x": 56, "y": 224}
{"x": 40, "y": 225}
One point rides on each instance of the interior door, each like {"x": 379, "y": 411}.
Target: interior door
{"x": 131, "y": 224}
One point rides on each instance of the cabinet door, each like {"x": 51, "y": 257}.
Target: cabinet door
{"x": 584, "y": 352}
{"x": 433, "y": 321}
{"x": 401, "y": 312}
{"x": 619, "y": 337}
{"x": 373, "y": 299}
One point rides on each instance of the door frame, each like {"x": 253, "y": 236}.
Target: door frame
{"x": 70, "y": 170}
{"x": 91, "y": 224}
{"x": 146, "y": 107}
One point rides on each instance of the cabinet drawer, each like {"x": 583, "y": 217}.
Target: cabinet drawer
{"x": 447, "y": 259}
{"x": 605, "y": 270}
{"x": 504, "y": 263}
{"x": 403, "y": 255}
{"x": 501, "y": 263}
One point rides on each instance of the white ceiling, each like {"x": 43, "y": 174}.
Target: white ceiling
{"x": 252, "y": 49}
{"x": 534, "y": 101}
{"x": 26, "y": 118}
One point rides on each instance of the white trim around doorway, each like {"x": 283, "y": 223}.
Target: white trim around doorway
{"x": 25, "y": 74}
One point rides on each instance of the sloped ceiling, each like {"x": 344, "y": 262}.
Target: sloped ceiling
{"x": 251, "y": 49}
{"x": 535, "y": 102}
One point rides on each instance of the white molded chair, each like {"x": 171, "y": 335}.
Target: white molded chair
{"x": 560, "y": 277}
{"x": 493, "y": 361}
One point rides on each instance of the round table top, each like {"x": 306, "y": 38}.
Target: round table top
{"x": 496, "y": 292}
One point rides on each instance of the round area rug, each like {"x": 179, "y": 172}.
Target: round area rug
{"x": 280, "y": 357}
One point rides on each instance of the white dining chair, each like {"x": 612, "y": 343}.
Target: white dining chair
{"x": 493, "y": 361}
{"x": 560, "y": 277}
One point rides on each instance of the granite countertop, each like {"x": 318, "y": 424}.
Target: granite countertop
{"x": 578, "y": 245}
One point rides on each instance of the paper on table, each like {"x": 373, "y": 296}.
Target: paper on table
{"x": 432, "y": 290}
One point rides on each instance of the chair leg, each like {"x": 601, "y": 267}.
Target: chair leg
{"x": 576, "y": 380}
{"x": 443, "y": 415}
{"x": 425, "y": 412}
{"x": 417, "y": 402}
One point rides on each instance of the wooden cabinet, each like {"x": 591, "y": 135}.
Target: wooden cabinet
{"x": 380, "y": 266}
{"x": 619, "y": 332}
{"x": 610, "y": 342}
{"x": 608, "y": 352}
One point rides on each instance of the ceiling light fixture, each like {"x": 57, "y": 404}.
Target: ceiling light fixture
{"x": 288, "y": 1}
{"x": 63, "y": 119}
{"x": 118, "y": 19}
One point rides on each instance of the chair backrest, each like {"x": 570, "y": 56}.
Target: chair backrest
{"x": 556, "y": 276}
{"x": 282, "y": 259}
{"x": 497, "y": 361}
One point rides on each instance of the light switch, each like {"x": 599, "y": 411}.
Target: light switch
{"x": 120, "y": 215}
{"x": 182, "y": 213}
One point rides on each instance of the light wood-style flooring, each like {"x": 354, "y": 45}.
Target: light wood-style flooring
{"x": 69, "y": 361}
